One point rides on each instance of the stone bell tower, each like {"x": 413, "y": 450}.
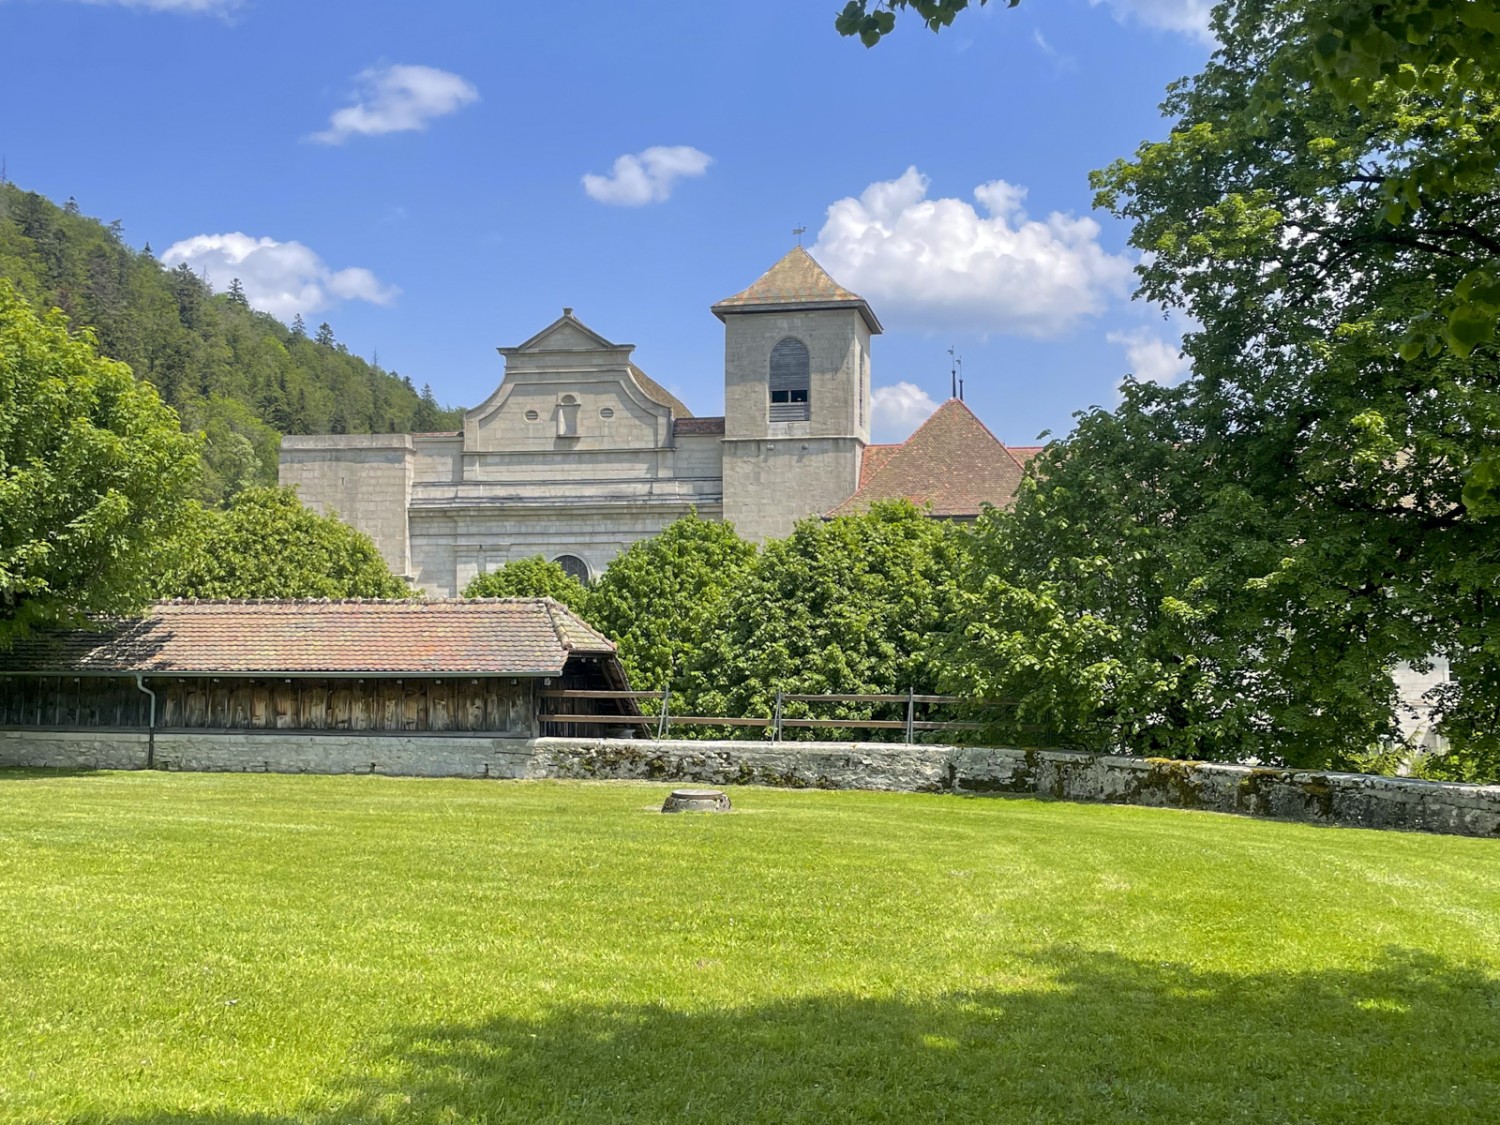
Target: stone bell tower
{"x": 796, "y": 396}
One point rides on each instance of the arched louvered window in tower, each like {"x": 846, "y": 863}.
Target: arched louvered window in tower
{"x": 789, "y": 381}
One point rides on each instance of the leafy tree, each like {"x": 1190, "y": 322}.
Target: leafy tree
{"x": 1368, "y": 56}
{"x": 1230, "y": 568}
{"x": 268, "y": 545}
{"x": 848, "y": 605}
{"x": 533, "y": 577}
{"x": 93, "y": 472}
{"x": 663, "y": 599}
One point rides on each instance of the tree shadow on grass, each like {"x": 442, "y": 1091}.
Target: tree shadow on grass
{"x": 1108, "y": 1039}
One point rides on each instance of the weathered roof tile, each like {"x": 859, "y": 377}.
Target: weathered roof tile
{"x": 796, "y": 281}
{"x": 952, "y": 464}
{"x": 478, "y": 636}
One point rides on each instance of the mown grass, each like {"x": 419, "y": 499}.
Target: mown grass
{"x": 258, "y": 949}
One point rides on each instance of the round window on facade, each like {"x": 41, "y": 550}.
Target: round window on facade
{"x": 606, "y": 412}
{"x": 533, "y": 416}
{"x": 574, "y": 567}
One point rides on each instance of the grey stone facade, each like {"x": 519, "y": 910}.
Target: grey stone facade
{"x": 578, "y": 454}
{"x": 1354, "y": 800}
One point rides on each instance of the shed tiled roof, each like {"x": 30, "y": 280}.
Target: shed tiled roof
{"x": 698, "y": 425}
{"x": 478, "y": 636}
{"x": 952, "y": 463}
{"x": 797, "y": 281}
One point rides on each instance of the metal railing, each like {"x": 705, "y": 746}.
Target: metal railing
{"x": 776, "y": 722}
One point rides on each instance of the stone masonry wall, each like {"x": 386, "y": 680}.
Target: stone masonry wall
{"x": 1315, "y": 797}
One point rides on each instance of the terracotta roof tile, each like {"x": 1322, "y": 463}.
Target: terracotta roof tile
{"x": 952, "y": 463}
{"x": 875, "y": 457}
{"x": 479, "y": 636}
{"x": 795, "y": 281}
{"x": 1024, "y": 453}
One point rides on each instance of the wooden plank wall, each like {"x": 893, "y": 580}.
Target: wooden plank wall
{"x": 75, "y": 702}
{"x": 449, "y": 704}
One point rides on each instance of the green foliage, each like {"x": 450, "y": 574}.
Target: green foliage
{"x": 848, "y": 605}
{"x": 662, "y": 600}
{"x": 873, "y": 21}
{"x": 533, "y": 577}
{"x": 268, "y": 545}
{"x": 94, "y": 471}
{"x": 1420, "y": 79}
{"x": 240, "y": 376}
{"x": 1230, "y": 568}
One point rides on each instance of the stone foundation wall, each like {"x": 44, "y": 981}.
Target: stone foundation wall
{"x": 1356, "y": 800}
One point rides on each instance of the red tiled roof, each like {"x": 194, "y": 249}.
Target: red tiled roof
{"x": 478, "y": 636}
{"x": 1024, "y": 453}
{"x": 796, "y": 281}
{"x": 952, "y": 464}
{"x": 697, "y": 425}
{"x": 875, "y": 457}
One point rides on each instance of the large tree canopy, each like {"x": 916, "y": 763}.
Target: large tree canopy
{"x": 94, "y": 471}
{"x": 1231, "y": 567}
{"x": 662, "y": 599}
{"x": 268, "y": 545}
{"x": 847, "y": 605}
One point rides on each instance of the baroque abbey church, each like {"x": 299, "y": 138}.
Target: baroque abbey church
{"x": 578, "y": 453}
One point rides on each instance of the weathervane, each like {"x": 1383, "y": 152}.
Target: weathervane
{"x": 954, "y": 361}
{"x": 799, "y": 232}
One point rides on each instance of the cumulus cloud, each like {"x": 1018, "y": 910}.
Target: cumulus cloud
{"x": 646, "y": 177}
{"x": 1186, "y": 17}
{"x": 397, "y": 99}
{"x": 1150, "y": 357}
{"x": 898, "y": 410}
{"x": 281, "y": 278}
{"x": 940, "y": 263}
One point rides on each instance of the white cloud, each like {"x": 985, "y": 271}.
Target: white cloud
{"x": 1152, "y": 359}
{"x": 1186, "y": 17}
{"x": 397, "y": 99}
{"x": 281, "y": 278}
{"x": 939, "y": 263}
{"x": 896, "y": 411}
{"x": 646, "y": 177}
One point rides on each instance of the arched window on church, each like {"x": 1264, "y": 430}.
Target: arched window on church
{"x": 574, "y": 567}
{"x": 789, "y": 381}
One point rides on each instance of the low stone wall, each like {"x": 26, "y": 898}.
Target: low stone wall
{"x": 401, "y": 755}
{"x": 1315, "y": 797}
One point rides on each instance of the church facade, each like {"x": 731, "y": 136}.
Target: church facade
{"x": 578, "y": 453}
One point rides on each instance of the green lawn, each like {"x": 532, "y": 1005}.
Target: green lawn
{"x": 258, "y": 949}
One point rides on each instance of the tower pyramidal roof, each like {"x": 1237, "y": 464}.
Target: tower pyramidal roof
{"x": 796, "y": 282}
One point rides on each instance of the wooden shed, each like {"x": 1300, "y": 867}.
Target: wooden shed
{"x": 453, "y": 665}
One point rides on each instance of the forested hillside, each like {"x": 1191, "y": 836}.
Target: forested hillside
{"x": 240, "y": 376}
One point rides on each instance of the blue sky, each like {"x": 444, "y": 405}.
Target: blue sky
{"x": 415, "y": 174}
